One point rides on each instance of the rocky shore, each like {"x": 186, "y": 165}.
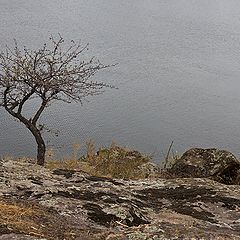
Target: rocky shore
{"x": 197, "y": 198}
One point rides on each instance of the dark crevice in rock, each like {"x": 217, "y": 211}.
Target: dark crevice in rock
{"x": 229, "y": 175}
{"x": 38, "y": 196}
{"x": 229, "y": 203}
{"x": 184, "y": 170}
{"x": 107, "y": 197}
{"x": 182, "y": 200}
{"x": 64, "y": 172}
{"x": 190, "y": 211}
{"x": 103, "y": 179}
{"x": 26, "y": 193}
{"x": 35, "y": 180}
{"x": 88, "y": 195}
{"x": 97, "y": 215}
{"x": 136, "y": 220}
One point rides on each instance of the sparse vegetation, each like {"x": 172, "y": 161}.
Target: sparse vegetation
{"x": 31, "y": 219}
{"x": 170, "y": 159}
{"x": 118, "y": 162}
{"x": 35, "y": 220}
{"x": 114, "y": 161}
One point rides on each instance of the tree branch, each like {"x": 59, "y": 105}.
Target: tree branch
{"x": 39, "y": 112}
{"x": 25, "y": 98}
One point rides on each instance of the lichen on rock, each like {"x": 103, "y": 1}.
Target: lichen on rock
{"x": 60, "y": 204}
{"x": 219, "y": 165}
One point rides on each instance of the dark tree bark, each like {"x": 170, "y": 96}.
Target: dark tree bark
{"x": 41, "y": 147}
{"x": 31, "y": 126}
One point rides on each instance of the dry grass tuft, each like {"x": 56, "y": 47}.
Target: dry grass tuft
{"x": 71, "y": 164}
{"x": 35, "y": 220}
{"x": 24, "y": 218}
{"x": 114, "y": 162}
{"x": 118, "y": 162}
{"x": 18, "y": 217}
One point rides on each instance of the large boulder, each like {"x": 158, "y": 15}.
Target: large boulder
{"x": 219, "y": 165}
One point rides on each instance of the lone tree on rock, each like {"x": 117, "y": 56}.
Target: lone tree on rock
{"x": 53, "y": 72}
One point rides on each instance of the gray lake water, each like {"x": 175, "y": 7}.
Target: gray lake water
{"x": 178, "y": 72}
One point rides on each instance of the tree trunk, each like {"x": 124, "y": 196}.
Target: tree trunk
{"x": 31, "y": 125}
{"x": 41, "y": 147}
{"x": 41, "y": 150}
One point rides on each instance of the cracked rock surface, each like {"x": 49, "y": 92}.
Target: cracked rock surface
{"x": 64, "y": 204}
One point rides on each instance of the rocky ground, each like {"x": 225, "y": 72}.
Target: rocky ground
{"x": 37, "y": 203}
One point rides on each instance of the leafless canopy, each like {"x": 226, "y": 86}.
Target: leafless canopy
{"x": 49, "y": 72}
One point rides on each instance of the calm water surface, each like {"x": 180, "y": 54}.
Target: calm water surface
{"x": 178, "y": 72}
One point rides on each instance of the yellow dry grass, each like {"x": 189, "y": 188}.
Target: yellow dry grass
{"x": 35, "y": 220}
{"x": 114, "y": 162}
{"x": 21, "y": 218}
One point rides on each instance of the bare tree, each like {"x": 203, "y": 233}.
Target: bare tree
{"x": 54, "y": 72}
